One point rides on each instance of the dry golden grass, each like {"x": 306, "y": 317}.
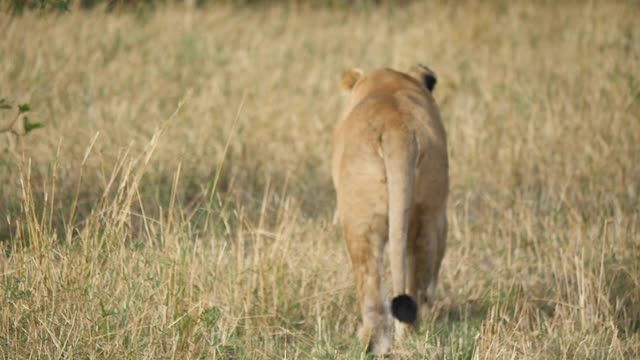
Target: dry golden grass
{"x": 178, "y": 202}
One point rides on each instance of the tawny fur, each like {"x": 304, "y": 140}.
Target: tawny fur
{"x": 390, "y": 171}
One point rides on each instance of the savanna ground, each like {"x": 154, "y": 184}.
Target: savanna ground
{"x": 178, "y": 202}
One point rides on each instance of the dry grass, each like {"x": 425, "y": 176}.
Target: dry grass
{"x": 178, "y": 202}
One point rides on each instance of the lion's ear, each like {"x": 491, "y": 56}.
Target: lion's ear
{"x": 350, "y": 77}
{"x": 425, "y": 75}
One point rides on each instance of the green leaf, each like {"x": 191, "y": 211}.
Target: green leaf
{"x": 23, "y": 108}
{"x": 29, "y": 126}
{"x": 61, "y": 5}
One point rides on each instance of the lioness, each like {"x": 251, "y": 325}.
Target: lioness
{"x": 390, "y": 171}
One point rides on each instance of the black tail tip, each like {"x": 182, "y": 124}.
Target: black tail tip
{"x": 404, "y": 308}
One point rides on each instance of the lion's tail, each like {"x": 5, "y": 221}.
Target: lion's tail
{"x": 400, "y": 150}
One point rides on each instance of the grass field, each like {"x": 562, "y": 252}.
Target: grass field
{"x": 178, "y": 202}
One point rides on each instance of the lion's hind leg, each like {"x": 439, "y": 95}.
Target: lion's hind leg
{"x": 430, "y": 247}
{"x": 366, "y": 252}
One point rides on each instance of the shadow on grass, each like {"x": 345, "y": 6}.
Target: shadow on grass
{"x": 454, "y": 327}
